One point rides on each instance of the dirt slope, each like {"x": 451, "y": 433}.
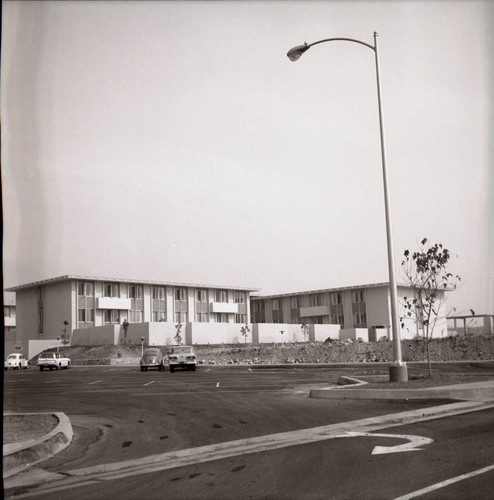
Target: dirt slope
{"x": 449, "y": 349}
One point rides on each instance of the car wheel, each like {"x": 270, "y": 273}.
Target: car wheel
{"x": 142, "y": 368}
{"x": 172, "y": 369}
{"x": 41, "y": 368}
{"x": 193, "y": 368}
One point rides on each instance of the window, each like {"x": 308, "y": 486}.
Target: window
{"x": 336, "y": 298}
{"x": 158, "y": 303}
{"x": 159, "y": 293}
{"x": 295, "y": 302}
{"x": 240, "y": 318}
{"x": 221, "y": 296}
{"x": 159, "y": 316}
{"x": 84, "y": 289}
{"x": 359, "y": 320}
{"x": 337, "y": 319}
{"x": 316, "y": 300}
{"x": 111, "y": 316}
{"x": 111, "y": 290}
{"x": 202, "y": 315}
{"x": 221, "y": 318}
{"x": 181, "y": 305}
{"x": 135, "y": 292}
{"x": 359, "y": 309}
{"x": 239, "y": 297}
{"x": 181, "y": 317}
{"x": 276, "y": 304}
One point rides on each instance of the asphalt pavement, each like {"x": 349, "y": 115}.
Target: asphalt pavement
{"x": 33, "y": 450}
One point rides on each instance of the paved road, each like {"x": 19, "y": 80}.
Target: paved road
{"x": 140, "y": 422}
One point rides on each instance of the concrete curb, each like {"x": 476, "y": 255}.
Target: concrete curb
{"x": 478, "y": 391}
{"x": 20, "y": 456}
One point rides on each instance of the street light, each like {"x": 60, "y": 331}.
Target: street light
{"x": 397, "y": 372}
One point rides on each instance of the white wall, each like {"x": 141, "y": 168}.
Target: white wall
{"x": 217, "y": 333}
{"x": 323, "y": 332}
{"x": 37, "y": 346}
{"x": 354, "y": 334}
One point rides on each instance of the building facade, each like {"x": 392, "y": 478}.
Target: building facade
{"x": 359, "y": 307}
{"x": 96, "y": 311}
{"x": 57, "y": 307}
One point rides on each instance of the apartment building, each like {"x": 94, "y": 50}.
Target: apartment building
{"x": 57, "y": 307}
{"x": 354, "y": 307}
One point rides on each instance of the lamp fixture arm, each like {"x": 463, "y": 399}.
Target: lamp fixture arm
{"x": 342, "y": 40}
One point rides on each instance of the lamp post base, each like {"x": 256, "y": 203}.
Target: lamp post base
{"x": 398, "y": 373}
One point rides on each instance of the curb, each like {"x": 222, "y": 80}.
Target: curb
{"x": 478, "y": 391}
{"x": 20, "y": 456}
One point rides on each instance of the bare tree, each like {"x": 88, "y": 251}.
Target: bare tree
{"x": 178, "y": 337}
{"x": 244, "y": 330}
{"x": 426, "y": 272}
{"x": 305, "y": 331}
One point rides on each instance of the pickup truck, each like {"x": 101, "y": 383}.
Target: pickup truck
{"x": 52, "y": 360}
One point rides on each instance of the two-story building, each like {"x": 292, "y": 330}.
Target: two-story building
{"x": 95, "y": 310}
{"x": 353, "y": 308}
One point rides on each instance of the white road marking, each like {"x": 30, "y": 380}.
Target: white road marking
{"x": 171, "y": 460}
{"x": 413, "y": 445}
{"x": 95, "y": 382}
{"x": 218, "y": 384}
{"x": 442, "y": 484}
{"x": 149, "y": 383}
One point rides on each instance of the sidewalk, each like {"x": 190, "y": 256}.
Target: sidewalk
{"x": 44, "y": 435}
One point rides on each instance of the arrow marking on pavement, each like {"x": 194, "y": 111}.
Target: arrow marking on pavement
{"x": 415, "y": 442}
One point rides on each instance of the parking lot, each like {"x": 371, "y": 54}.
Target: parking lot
{"x": 214, "y": 433}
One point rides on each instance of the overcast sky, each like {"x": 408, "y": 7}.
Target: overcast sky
{"x": 175, "y": 141}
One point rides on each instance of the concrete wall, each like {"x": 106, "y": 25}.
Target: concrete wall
{"x": 323, "y": 332}
{"x": 354, "y": 334}
{"x": 37, "y": 346}
{"x": 163, "y": 333}
{"x": 271, "y": 333}
{"x": 217, "y": 333}
{"x": 102, "y": 335}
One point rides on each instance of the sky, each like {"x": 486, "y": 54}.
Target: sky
{"x": 175, "y": 141}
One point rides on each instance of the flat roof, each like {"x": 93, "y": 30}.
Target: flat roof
{"x": 70, "y": 277}
{"x": 326, "y": 290}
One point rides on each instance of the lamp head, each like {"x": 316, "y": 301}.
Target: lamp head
{"x": 295, "y": 53}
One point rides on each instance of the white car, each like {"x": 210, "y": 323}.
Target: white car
{"x": 181, "y": 356}
{"x": 52, "y": 360}
{"x": 16, "y": 361}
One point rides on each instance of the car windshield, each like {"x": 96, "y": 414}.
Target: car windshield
{"x": 12, "y": 356}
{"x": 181, "y": 350}
{"x": 152, "y": 352}
{"x": 46, "y": 355}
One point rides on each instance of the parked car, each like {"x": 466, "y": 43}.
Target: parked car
{"x": 182, "y": 356}
{"x": 52, "y": 360}
{"x": 16, "y": 361}
{"x": 152, "y": 358}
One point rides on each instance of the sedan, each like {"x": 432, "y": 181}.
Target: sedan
{"x": 152, "y": 358}
{"x": 16, "y": 361}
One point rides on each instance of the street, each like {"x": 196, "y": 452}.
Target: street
{"x": 161, "y": 435}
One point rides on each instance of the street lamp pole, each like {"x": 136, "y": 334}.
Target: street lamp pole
{"x": 398, "y": 372}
